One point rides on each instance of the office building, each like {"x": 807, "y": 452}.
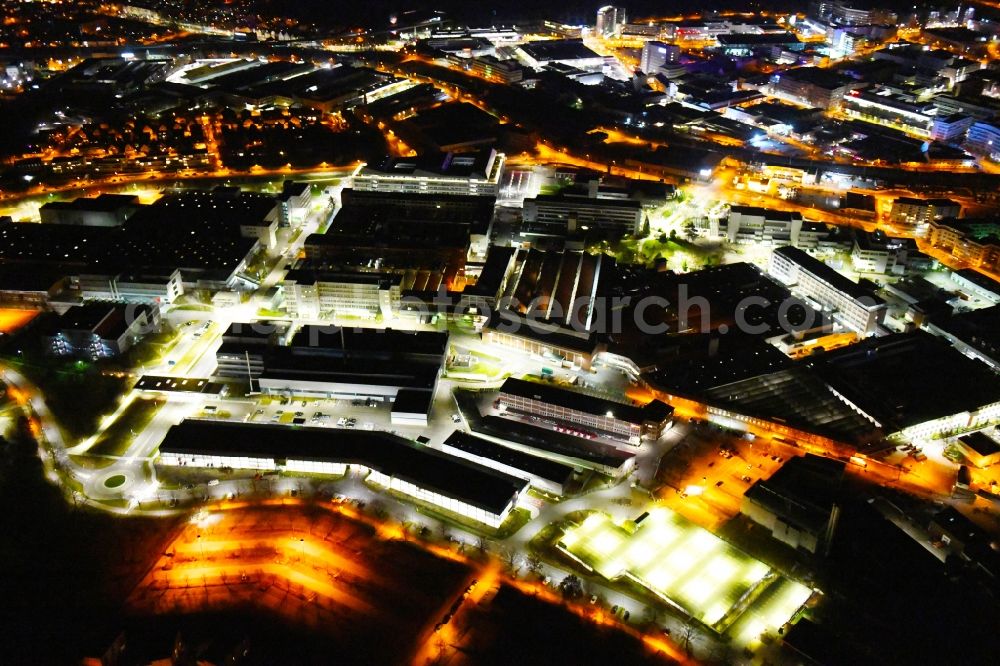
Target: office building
{"x": 476, "y": 174}
{"x": 324, "y": 295}
{"x": 886, "y": 106}
{"x": 812, "y": 86}
{"x": 333, "y": 362}
{"x": 561, "y": 215}
{"x": 915, "y": 213}
{"x": 444, "y": 482}
{"x": 577, "y": 452}
{"x": 852, "y": 305}
{"x": 161, "y": 289}
{"x": 629, "y": 423}
{"x": 610, "y": 21}
{"x": 983, "y": 138}
{"x": 859, "y": 13}
{"x": 491, "y": 67}
{"x": 746, "y": 44}
{"x": 951, "y": 128}
{"x": 657, "y": 54}
{"x": 980, "y": 448}
{"x": 293, "y": 203}
{"x": 978, "y": 284}
{"x": 975, "y": 241}
{"x": 97, "y": 331}
{"x": 760, "y": 226}
{"x": 875, "y": 252}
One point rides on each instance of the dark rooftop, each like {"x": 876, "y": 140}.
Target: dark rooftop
{"x": 413, "y": 401}
{"x": 905, "y": 379}
{"x": 802, "y": 492}
{"x": 533, "y": 465}
{"x": 556, "y": 443}
{"x": 371, "y": 341}
{"x": 980, "y": 329}
{"x": 101, "y": 319}
{"x": 981, "y": 443}
{"x": 817, "y": 76}
{"x": 560, "y": 49}
{"x": 694, "y": 376}
{"x": 440, "y": 164}
{"x": 102, "y": 203}
{"x": 178, "y": 385}
{"x": 389, "y": 454}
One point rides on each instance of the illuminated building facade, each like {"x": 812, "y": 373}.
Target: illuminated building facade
{"x": 445, "y": 482}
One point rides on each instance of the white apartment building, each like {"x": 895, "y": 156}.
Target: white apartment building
{"x": 753, "y": 225}
{"x": 558, "y": 215}
{"x": 915, "y": 213}
{"x": 130, "y": 288}
{"x": 311, "y": 295}
{"x": 475, "y": 174}
{"x": 852, "y": 306}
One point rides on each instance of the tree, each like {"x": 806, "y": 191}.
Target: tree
{"x": 645, "y": 228}
{"x": 687, "y": 634}
{"x": 571, "y": 587}
{"x": 533, "y": 564}
{"x": 511, "y": 559}
{"x": 378, "y": 509}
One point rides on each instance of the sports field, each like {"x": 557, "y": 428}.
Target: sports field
{"x": 681, "y": 563}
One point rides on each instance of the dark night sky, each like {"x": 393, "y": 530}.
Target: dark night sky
{"x": 371, "y": 12}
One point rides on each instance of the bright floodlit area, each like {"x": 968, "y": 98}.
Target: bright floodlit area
{"x": 13, "y": 319}
{"x": 688, "y": 567}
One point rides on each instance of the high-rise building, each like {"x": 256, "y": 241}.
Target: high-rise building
{"x": 610, "y": 21}
{"x": 656, "y": 55}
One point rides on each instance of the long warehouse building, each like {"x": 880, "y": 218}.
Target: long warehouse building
{"x": 548, "y": 475}
{"x": 618, "y": 420}
{"x": 455, "y": 485}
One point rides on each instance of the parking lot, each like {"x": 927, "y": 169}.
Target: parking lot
{"x": 708, "y": 472}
